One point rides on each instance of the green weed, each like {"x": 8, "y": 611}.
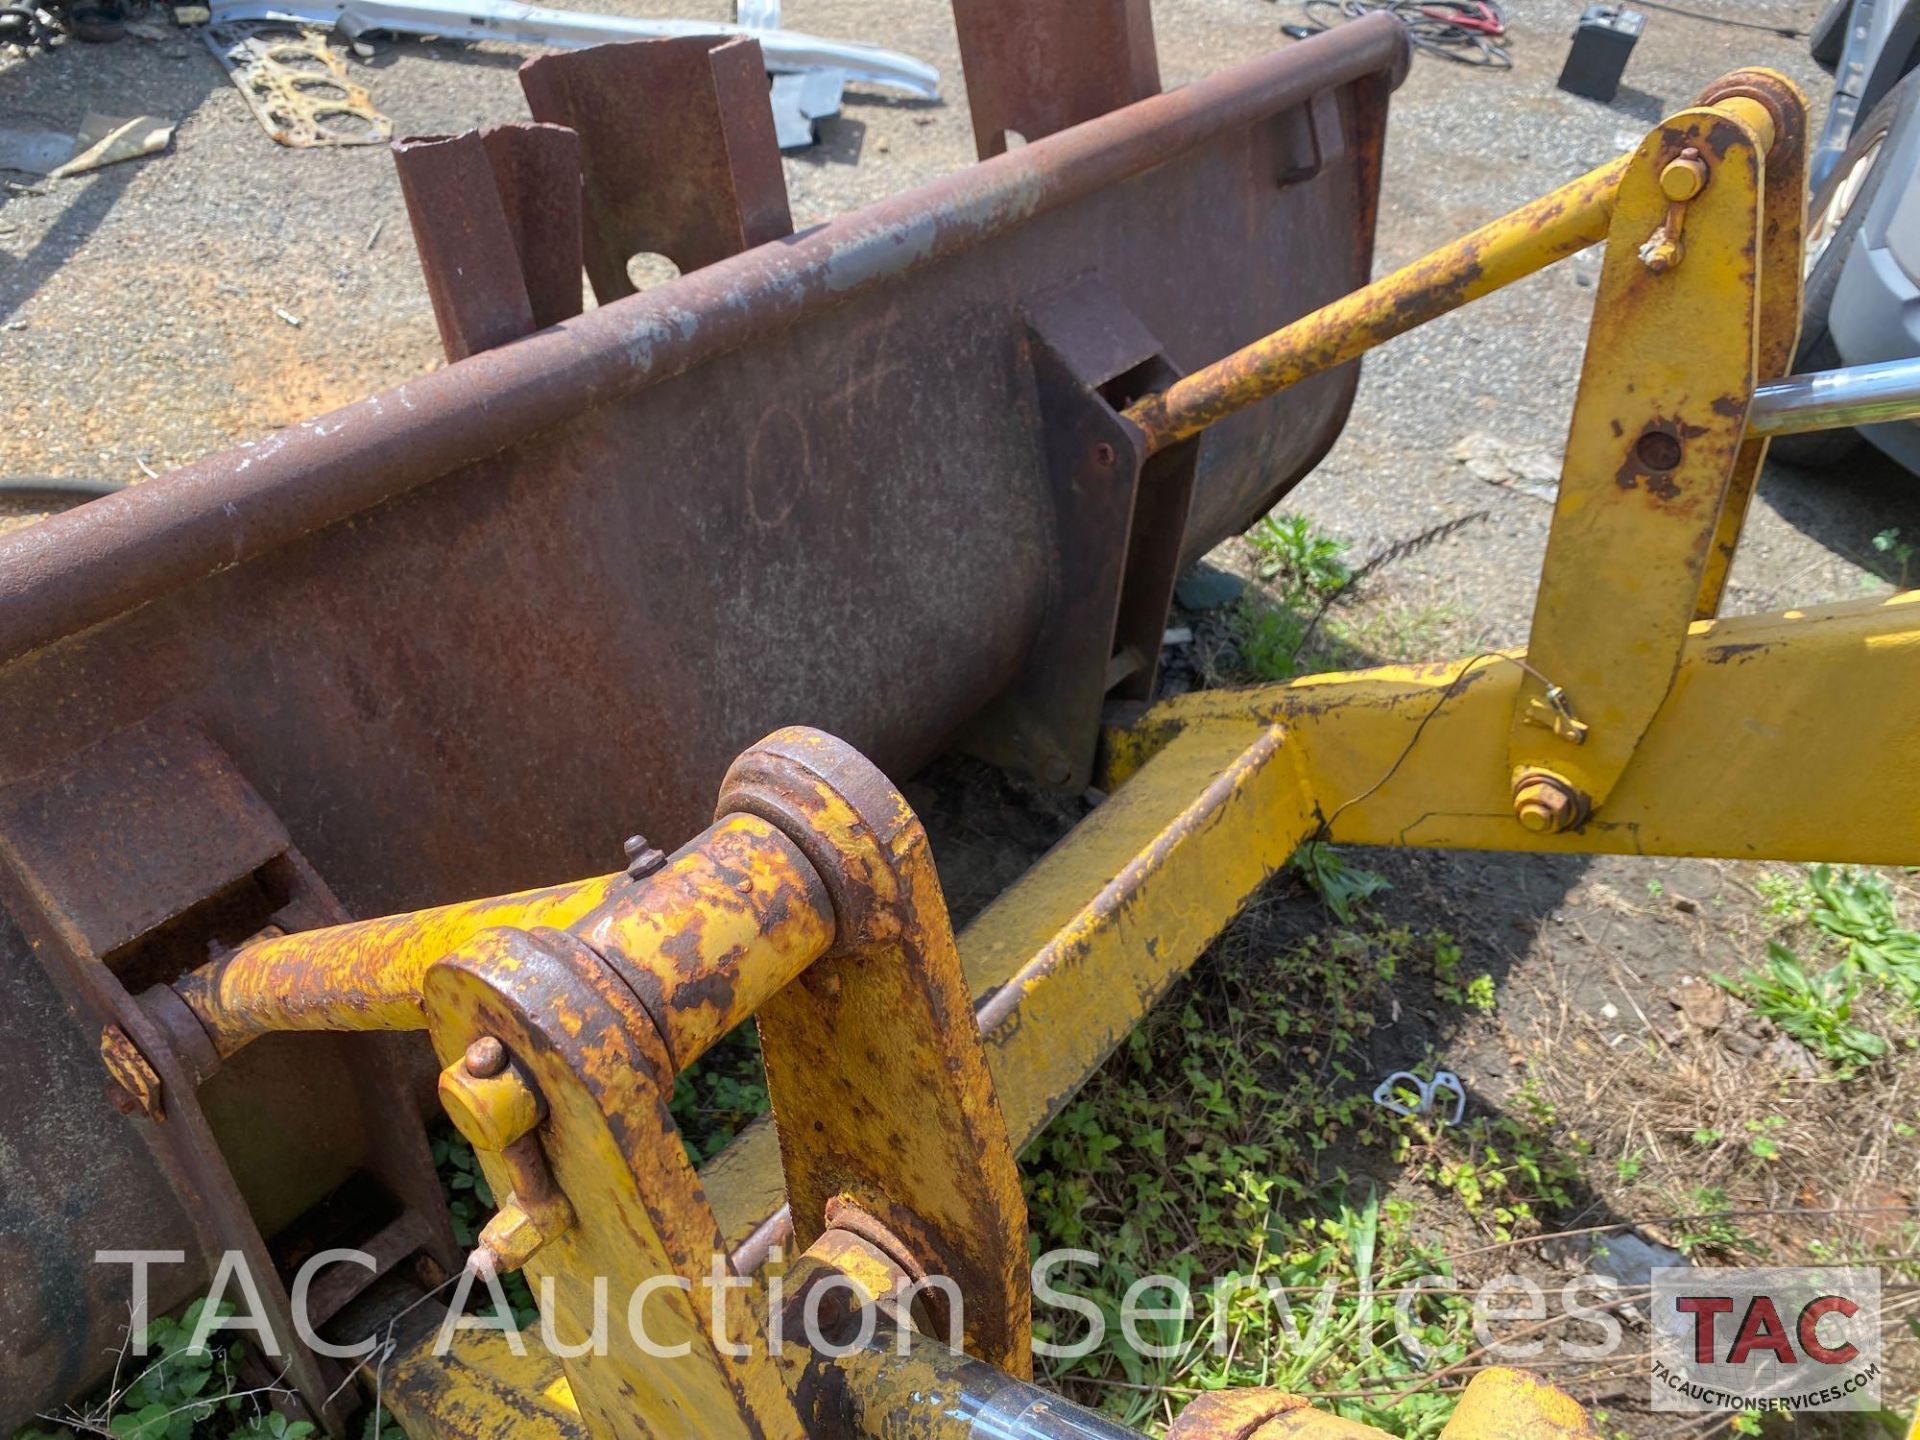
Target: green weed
{"x": 1477, "y": 993}
{"x": 179, "y": 1391}
{"x": 1786, "y": 897}
{"x": 1217, "y": 1142}
{"x": 721, "y": 1095}
{"x": 1899, "y": 557}
{"x": 1340, "y": 886}
{"x": 1709, "y": 1229}
{"x": 1269, "y": 640}
{"x": 1306, "y": 563}
{"x": 1816, "y": 1010}
{"x": 1507, "y": 1169}
{"x": 470, "y": 1204}
{"x": 1856, "y": 907}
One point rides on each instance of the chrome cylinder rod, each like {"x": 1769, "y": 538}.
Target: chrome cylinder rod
{"x": 1836, "y": 399}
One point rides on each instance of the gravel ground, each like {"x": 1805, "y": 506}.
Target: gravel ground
{"x": 139, "y": 302}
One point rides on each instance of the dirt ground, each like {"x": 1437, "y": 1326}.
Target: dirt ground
{"x": 138, "y": 331}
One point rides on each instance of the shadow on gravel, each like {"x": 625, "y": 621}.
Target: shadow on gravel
{"x": 57, "y": 90}
{"x": 1844, "y": 508}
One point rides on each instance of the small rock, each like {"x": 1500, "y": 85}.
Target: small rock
{"x": 1609, "y": 1011}
{"x": 1701, "y": 1001}
{"x": 1631, "y": 1260}
{"x": 1686, "y": 905}
{"x": 1742, "y": 1039}
{"x": 1206, "y": 588}
{"x": 1498, "y": 462}
{"x": 883, "y": 144}
{"x": 1791, "y": 1056}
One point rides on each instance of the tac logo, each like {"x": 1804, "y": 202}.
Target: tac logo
{"x": 1771, "y": 1339}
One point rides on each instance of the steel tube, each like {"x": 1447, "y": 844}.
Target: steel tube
{"x": 935, "y": 1392}
{"x": 1511, "y": 248}
{"x": 1836, "y": 399}
{"x": 727, "y": 922}
{"x": 360, "y": 976}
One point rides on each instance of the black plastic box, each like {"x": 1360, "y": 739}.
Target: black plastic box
{"x": 1602, "y": 42}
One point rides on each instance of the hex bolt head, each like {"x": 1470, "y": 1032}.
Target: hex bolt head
{"x": 1545, "y": 804}
{"x": 509, "y": 1240}
{"x": 1684, "y": 177}
{"x": 486, "y": 1057}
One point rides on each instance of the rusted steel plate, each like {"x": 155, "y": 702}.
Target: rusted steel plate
{"x": 465, "y": 636}
{"x": 117, "y": 865}
{"x": 496, "y": 219}
{"x": 697, "y": 187}
{"x": 1036, "y": 67}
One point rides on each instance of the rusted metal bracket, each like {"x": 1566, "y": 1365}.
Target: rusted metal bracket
{"x": 122, "y": 866}
{"x": 1119, "y": 519}
{"x": 888, "y": 1120}
{"x": 1654, "y": 444}
{"x": 703, "y": 188}
{"x": 812, "y": 904}
{"x": 1034, "y": 67}
{"x": 496, "y": 219}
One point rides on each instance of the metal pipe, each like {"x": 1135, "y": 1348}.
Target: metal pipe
{"x": 364, "y": 975}
{"x": 1561, "y": 223}
{"x": 1511, "y": 248}
{"x": 931, "y": 1391}
{"x": 1836, "y": 399}
{"x": 726, "y": 922}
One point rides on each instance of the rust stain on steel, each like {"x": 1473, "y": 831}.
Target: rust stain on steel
{"x": 1034, "y": 67}
{"x": 876, "y": 1072}
{"x": 1510, "y": 248}
{"x": 1783, "y": 220}
{"x": 85, "y": 566}
{"x": 720, "y": 506}
{"x": 363, "y": 975}
{"x": 702, "y": 943}
{"x": 699, "y": 188}
{"x": 638, "y": 1212}
{"x": 496, "y": 221}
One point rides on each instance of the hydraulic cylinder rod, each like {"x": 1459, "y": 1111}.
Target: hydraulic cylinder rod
{"x": 1836, "y": 399}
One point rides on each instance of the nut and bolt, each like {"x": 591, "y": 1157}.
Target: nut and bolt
{"x": 1104, "y": 454}
{"x": 642, "y": 858}
{"x": 511, "y": 1238}
{"x": 1545, "y": 804}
